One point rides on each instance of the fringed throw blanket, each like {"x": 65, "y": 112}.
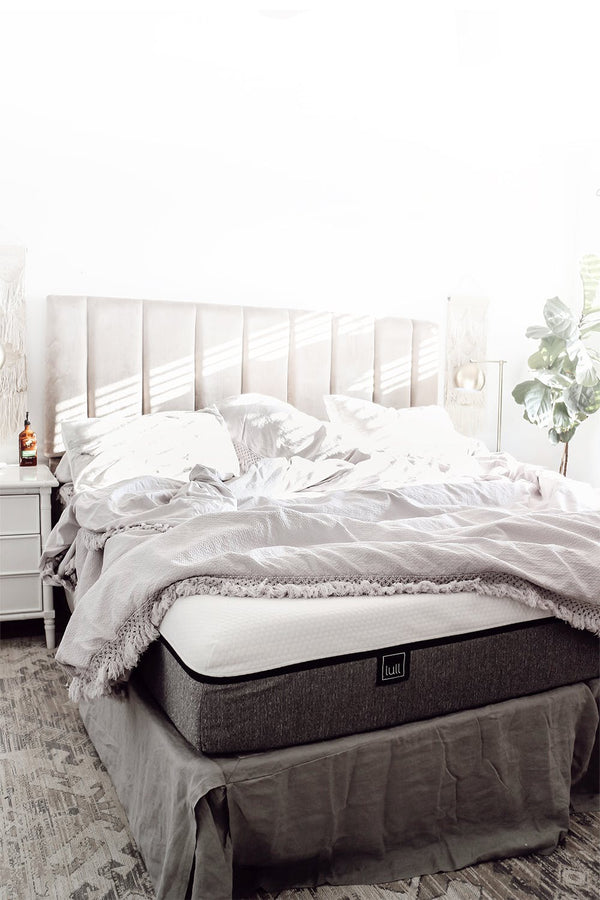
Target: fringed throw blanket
{"x": 510, "y": 533}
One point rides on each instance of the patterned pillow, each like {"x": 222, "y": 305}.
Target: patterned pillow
{"x": 246, "y": 456}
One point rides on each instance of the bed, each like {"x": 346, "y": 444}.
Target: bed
{"x": 268, "y": 726}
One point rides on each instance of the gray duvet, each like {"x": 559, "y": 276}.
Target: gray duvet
{"x": 298, "y": 528}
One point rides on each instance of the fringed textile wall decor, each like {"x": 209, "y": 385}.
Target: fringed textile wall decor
{"x": 13, "y": 369}
{"x": 466, "y": 339}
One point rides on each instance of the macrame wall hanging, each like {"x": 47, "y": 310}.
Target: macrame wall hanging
{"x": 466, "y": 339}
{"x": 13, "y": 370}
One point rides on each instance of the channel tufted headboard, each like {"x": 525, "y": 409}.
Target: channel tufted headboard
{"x": 106, "y": 355}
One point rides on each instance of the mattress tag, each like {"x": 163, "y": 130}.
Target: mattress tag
{"x": 393, "y": 667}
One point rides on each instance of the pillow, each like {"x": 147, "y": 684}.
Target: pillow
{"x": 272, "y": 427}
{"x": 246, "y": 456}
{"x": 63, "y": 470}
{"x": 113, "y": 448}
{"x": 416, "y": 430}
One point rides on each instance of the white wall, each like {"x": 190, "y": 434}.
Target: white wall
{"x": 372, "y": 156}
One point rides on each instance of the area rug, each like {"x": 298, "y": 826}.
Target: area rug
{"x": 64, "y": 835}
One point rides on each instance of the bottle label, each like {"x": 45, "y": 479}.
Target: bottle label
{"x": 28, "y": 453}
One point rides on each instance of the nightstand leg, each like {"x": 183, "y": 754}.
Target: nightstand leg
{"x": 50, "y": 630}
{"x": 48, "y": 606}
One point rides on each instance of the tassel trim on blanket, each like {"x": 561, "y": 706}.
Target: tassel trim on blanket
{"x": 54, "y": 572}
{"x": 111, "y": 665}
{"x": 95, "y": 540}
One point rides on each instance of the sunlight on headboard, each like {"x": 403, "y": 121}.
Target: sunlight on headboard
{"x": 109, "y": 355}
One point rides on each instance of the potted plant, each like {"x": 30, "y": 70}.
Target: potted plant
{"x": 565, "y": 385}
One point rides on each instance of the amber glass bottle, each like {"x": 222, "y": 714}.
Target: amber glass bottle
{"x": 27, "y": 445}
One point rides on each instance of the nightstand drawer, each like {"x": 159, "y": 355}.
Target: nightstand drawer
{"x": 19, "y": 514}
{"x": 20, "y": 594}
{"x": 19, "y": 553}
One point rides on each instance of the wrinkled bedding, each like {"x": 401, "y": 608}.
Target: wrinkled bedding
{"x": 366, "y": 524}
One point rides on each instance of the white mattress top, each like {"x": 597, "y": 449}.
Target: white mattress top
{"x": 225, "y": 637}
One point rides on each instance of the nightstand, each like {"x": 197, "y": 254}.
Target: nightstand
{"x": 24, "y": 528}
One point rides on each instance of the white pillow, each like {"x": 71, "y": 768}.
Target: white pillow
{"x": 63, "y": 470}
{"x": 272, "y": 428}
{"x": 113, "y": 448}
{"x": 415, "y": 430}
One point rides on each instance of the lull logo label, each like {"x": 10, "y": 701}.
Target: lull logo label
{"x": 393, "y": 667}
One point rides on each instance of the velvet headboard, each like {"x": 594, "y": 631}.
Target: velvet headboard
{"x": 106, "y": 355}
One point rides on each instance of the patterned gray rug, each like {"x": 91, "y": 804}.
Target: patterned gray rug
{"x": 64, "y": 834}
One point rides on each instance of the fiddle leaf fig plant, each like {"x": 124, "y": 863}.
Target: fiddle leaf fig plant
{"x": 564, "y": 387}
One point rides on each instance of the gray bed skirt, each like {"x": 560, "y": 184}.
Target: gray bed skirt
{"x": 419, "y": 798}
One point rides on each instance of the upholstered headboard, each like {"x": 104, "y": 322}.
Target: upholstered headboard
{"x": 106, "y": 355}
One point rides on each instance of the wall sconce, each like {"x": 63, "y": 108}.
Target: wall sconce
{"x": 470, "y": 377}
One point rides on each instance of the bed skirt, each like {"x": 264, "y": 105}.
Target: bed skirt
{"x": 429, "y": 796}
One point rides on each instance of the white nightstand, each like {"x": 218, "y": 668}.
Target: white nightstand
{"x": 24, "y": 528}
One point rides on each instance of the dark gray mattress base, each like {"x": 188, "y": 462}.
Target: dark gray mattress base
{"x": 363, "y": 692}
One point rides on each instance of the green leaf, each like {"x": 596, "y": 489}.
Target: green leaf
{"x": 582, "y": 399}
{"x": 538, "y": 403}
{"x": 548, "y": 352}
{"x": 590, "y": 321}
{"x": 551, "y": 348}
{"x": 538, "y": 331}
{"x": 567, "y": 368}
{"x": 537, "y": 360}
{"x": 561, "y": 418}
{"x": 554, "y": 378}
{"x": 587, "y": 372}
{"x": 562, "y": 437}
{"x": 589, "y": 269}
{"x": 520, "y": 391}
{"x": 559, "y": 318}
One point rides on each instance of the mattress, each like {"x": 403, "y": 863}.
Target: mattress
{"x": 238, "y": 675}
